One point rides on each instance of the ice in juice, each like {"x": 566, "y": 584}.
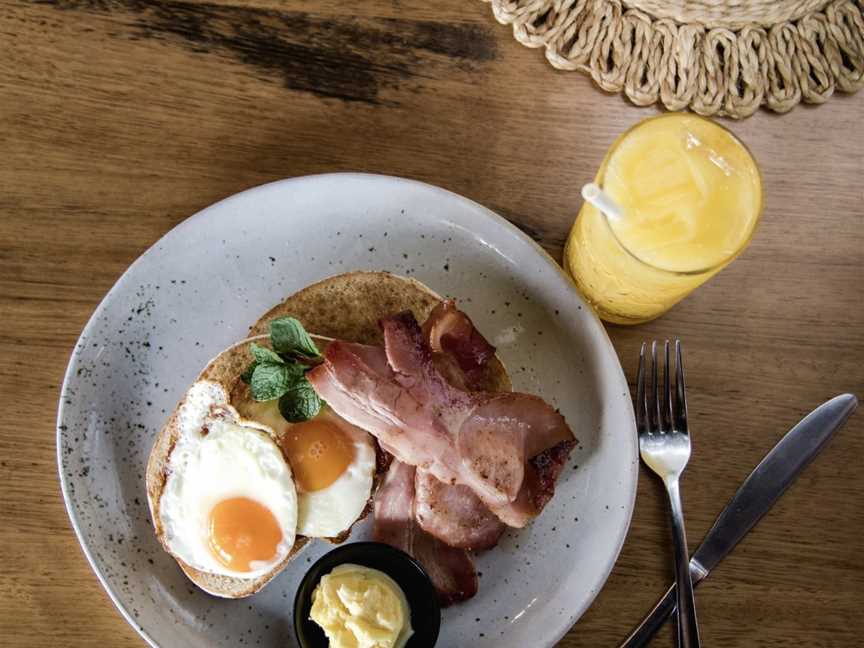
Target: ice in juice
{"x": 691, "y": 196}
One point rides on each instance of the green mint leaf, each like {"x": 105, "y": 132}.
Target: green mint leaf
{"x": 270, "y": 381}
{"x": 300, "y": 402}
{"x": 289, "y": 336}
{"x": 246, "y": 376}
{"x": 263, "y": 355}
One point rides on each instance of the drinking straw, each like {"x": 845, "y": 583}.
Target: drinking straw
{"x": 602, "y": 201}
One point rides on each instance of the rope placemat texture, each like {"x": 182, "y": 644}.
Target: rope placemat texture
{"x": 715, "y": 57}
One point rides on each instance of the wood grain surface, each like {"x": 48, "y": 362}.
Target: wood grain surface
{"x": 120, "y": 118}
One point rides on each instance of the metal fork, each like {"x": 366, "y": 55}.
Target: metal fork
{"x": 664, "y": 444}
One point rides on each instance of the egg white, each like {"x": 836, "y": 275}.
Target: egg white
{"x": 218, "y": 456}
{"x": 327, "y": 512}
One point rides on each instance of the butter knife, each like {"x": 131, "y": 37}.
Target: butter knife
{"x": 754, "y": 499}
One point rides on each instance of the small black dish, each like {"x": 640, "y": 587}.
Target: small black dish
{"x": 402, "y": 568}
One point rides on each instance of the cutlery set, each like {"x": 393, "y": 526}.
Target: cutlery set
{"x": 664, "y": 445}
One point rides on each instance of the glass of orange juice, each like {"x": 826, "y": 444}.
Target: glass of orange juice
{"x": 688, "y": 196}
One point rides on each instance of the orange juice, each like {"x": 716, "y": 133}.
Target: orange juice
{"x": 690, "y": 195}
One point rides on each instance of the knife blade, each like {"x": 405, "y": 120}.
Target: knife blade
{"x": 777, "y": 470}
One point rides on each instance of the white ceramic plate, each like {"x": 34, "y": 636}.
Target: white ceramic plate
{"x": 198, "y": 290}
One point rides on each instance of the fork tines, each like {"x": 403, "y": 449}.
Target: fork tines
{"x": 656, "y": 414}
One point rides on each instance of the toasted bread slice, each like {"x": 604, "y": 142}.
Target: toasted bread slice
{"x": 225, "y": 370}
{"x": 348, "y": 307}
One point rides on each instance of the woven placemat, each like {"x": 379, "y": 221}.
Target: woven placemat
{"x": 716, "y": 57}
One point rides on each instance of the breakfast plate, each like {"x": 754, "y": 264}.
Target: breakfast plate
{"x": 201, "y": 286}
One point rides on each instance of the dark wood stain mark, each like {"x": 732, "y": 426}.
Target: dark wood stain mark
{"x": 533, "y": 232}
{"x": 350, "y": 59}
{"x": 551, "y": 241}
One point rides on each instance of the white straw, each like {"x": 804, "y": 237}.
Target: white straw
{"x": 601, "y": 200}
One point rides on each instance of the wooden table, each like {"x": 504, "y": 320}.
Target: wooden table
{"x": 118, "y": 119}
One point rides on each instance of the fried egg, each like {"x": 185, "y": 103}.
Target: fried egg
{"x": 333, "y": 463}
{"x": 229, "y": 505}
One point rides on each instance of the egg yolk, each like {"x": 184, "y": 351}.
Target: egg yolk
{"x": 241, "y": 531}
{"x": 318, "y": 452}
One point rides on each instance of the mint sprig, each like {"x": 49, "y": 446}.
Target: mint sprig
{"x": 281, "y": 372}
{"x": 289, "y": 337}
{"x": 270, "y": 381}
{"x": 300, "y": 403}
{"x": 263, "y": 355}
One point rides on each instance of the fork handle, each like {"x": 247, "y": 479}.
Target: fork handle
{"x": 688, "y": 628}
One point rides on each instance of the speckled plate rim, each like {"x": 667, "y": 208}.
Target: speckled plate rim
{"x": 630, "y": 472}
{"x": 73, "y": 518}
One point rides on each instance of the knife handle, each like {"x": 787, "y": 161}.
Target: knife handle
{"x": 664, "y": 609}
{"x": 654, "y": 621}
